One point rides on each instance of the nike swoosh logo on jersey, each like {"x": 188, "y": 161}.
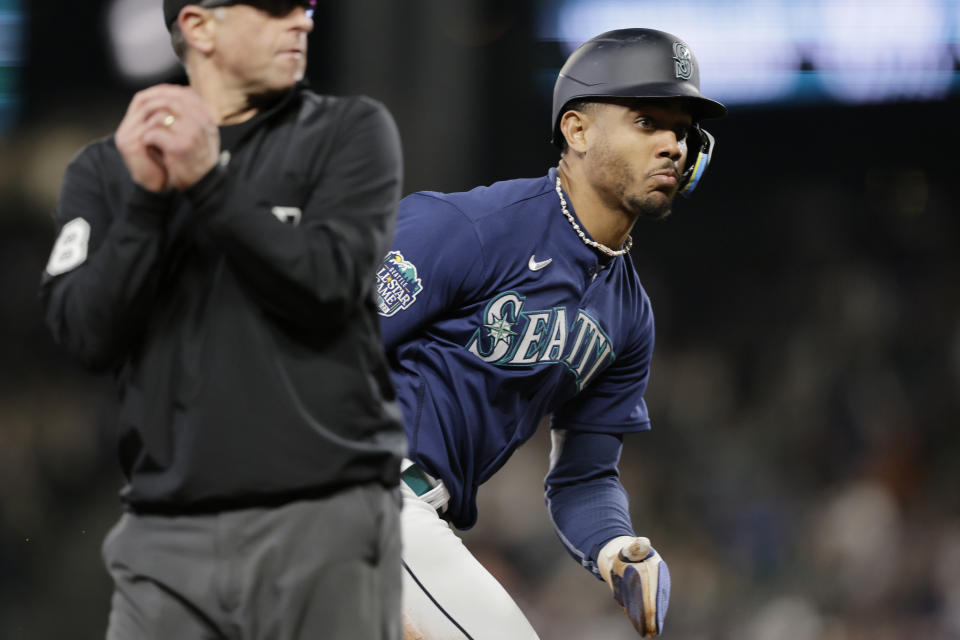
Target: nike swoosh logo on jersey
{"x": 536, "y": 266}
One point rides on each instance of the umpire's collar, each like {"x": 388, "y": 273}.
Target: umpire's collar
{"x": 268, "y": 106}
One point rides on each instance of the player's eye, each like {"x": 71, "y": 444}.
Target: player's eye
{"x": 682, "y": 133}
{"x": 645, "y": 123}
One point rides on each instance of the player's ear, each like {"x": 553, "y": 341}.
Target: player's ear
{"x": 573, "y": 127}
{"x": 197, "y": 25}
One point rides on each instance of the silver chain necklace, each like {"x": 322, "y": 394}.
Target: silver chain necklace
{"x": 587, "y": 241}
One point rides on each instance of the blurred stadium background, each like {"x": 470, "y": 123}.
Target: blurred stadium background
{"x": 802, "y": 475}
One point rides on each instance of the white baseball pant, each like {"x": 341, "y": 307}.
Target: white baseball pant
{"x": 447, "y": 594}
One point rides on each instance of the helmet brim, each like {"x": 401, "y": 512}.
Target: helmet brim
{"x": 696, "y": 105}
{"x": 699, "y": 106}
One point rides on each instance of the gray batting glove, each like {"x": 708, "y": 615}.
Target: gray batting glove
{"x": 639, "y": 580}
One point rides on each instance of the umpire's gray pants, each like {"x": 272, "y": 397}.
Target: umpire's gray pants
{"x": 319, "y": 569}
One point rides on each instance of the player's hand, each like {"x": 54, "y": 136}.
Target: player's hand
{"x": 182, "y": 129}
{"x": 640, "y": 581}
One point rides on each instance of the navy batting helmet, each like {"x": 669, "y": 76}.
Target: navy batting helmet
{"x": 639, "y": 63}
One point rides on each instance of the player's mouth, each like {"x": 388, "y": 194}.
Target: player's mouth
{"x": 666, "y": 177}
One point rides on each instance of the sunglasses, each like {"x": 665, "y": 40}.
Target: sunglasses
{"x": 276, "y": 8}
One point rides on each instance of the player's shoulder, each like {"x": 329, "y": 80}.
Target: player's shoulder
{"x": 483, "y": 205}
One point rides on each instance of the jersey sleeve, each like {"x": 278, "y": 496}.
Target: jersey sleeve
{"x": 317, "y": 273}
{"x": 102, "y": 274}
{"x": 613, "y": 402}
{"x": 435, "y": 263}
{"x": 588, "y": 505}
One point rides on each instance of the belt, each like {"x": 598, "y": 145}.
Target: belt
{"x": 426, "y": 487}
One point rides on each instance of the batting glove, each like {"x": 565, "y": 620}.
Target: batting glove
{"x": 640, "y": 582}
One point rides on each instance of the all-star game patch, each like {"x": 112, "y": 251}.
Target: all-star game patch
{"x": 397, "y": 284}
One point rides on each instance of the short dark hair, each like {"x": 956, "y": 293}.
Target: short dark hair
{"x": 583, "y": 105}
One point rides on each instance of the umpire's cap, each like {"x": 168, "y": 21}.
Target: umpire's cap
{"x": 171, "y": 9}
{"x": 632, "y": 63}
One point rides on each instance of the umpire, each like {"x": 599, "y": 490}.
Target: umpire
{"x": 217, "y": 255}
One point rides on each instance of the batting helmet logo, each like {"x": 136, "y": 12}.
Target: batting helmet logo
{"x": 681, "y": 58}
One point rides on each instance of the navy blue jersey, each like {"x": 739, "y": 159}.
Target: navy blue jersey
{"x": 496, "y": 314}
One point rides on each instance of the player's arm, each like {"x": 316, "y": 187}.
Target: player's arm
{"x": 315, "y": 274}
{"x": 100, "y": 280}
{"x": 590, "y": 512}
{"x": 587, "y": 502}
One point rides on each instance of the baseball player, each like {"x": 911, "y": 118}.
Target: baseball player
{"x": 515, "y": 301}
{"x": 217, "y": 255}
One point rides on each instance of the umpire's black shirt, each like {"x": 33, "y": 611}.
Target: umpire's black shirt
{"x": 238, "y": 316}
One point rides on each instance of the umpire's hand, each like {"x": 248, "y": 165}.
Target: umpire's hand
{"x": 168, "y": 138}
{"x": 144, "y": 163}
{"x": 640, "y": 581}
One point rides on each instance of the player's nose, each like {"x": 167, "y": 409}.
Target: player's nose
{"x": 669, "y": 145}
